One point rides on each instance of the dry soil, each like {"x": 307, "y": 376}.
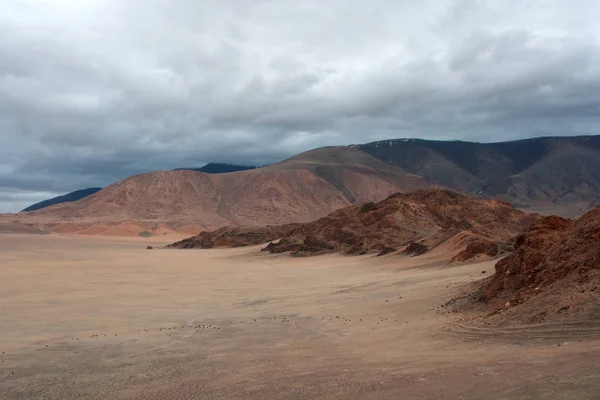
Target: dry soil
{"x": 91, "y": 318}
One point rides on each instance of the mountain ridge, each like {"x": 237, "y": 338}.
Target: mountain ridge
{"x": 424, "y": 219}
{"x": 300, "y": 189}
{"x": 210, "y": 168}
{"x": 516, "y": 171}
{"x": 66, "y": 198}
{"x": 554, "y": 175}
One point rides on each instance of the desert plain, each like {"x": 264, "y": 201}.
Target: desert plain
{"x": 104, "y": 318}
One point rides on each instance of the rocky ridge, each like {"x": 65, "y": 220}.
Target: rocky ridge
{"x": 414, "y": 222}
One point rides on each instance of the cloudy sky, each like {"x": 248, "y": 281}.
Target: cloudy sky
{"x": 92, "y": 91}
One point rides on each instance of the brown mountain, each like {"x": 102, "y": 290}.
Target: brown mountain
{"x": 300, "y": 189}
{"x": 552, "y": 175}
{"x": 423, "y": 219}
{"x": 546, "y": 175}
{"x": 554, "y": 269}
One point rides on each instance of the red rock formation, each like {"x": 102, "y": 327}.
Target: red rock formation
{"x": 428, "y": 217}
{"x": 234, "y": 237}
{"x": 556, "y": 257}
{"x": 415, "y": 249}
{"x": 476, "y": 249}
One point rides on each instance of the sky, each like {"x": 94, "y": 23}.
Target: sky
{"x": 93, "y": 91}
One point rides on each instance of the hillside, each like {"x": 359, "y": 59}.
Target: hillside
{"x": 67, "y": 198}
{"x": 550, "y": 175}
{"x": 416, "y": 223}
{"x": 553, "y": 270}
{"x": 211, "y": 168}
{"x": 545, "y": 175}
{"x": 301, "y": 189}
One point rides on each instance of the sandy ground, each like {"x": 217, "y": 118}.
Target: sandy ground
{"x": 89, "y": 318}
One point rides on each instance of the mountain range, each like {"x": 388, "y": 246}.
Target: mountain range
{"x": 67, "y": 198}
{"x": 559, "y": 175}
{"x": 538, "y": 174}
{"x": 210, "y": 168}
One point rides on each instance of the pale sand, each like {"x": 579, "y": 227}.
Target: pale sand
{"x": 389, "y": 341}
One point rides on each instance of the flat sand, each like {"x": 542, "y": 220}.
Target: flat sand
{"x": 92, "y": 318}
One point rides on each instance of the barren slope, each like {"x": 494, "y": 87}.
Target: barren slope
{"x": 301, "y": 189}
{"x": 548, "y": 174}
{"x": 554, "y": 269}
{"x": 544, "y": 175}
{"x": 429, "y": 217}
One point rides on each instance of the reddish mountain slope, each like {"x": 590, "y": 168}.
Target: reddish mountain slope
{"x": 554, "y": 268}
{"x": 545, "y": 175}
{"x": 300, "y": 189}
{"x": 430, "y": 217}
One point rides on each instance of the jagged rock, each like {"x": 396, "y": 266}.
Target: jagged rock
{"x": 556, "y": 261}
{"x": 235, "y": 237}
{"x": 475, "y": 249}
{"x": 429, "y": 217}
{"x": 367, "y": 207}
{"x": 415, "y": 249}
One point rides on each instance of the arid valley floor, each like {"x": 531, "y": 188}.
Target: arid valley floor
{"x": 100, "y": 318}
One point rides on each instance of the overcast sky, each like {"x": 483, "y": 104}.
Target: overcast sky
{"x": 92, "y": 91}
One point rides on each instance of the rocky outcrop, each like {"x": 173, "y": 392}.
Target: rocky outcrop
{"x": 477, "y": 249}
{"x": 554, "y": 267}
{"x": 417, "y": 221}
{"x": 310, "y": 245}
{"x": 234, "y": 237}
{"x": 415, "y": 249}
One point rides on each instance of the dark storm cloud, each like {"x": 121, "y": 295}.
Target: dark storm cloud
{"x": 94, "y": 91}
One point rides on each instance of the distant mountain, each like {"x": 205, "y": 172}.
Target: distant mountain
{"x": 300, "y": 189}
{"x": 67, "y": 198}
{"x": 219, "y": 168}
{"x": 553, "y": 174}
{"x": 211, "y": 168}
{"x": 550, "y": 175}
